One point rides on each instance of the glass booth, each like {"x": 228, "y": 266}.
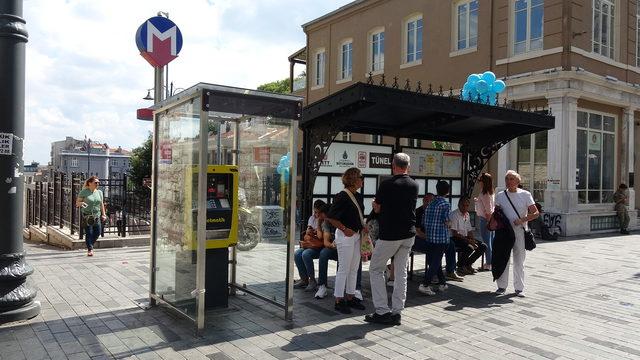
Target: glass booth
{"x": 230, "y": 227}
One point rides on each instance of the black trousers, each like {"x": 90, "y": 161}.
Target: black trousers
{"x": 466, "y": 255}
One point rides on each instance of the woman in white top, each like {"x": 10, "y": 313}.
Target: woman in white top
{"x": 484, "y": 208}
{"x": 525, "y": 211}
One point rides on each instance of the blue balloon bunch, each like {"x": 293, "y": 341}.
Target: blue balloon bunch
{"x": 283, "y": 168}
{"x": 482, "y": 88}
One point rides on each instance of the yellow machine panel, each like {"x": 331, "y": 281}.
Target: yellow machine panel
{"x": 222, "y": 206}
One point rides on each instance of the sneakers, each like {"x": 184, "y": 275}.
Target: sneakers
{"x": 520, "y": 293}
{"x": 342, "y": 307}
{"x": 501, "y": 291}
{"x": 322, "y": 292}
{"x": 425, "y": 289}
{"x": 356, "y": 304}
{"x": 300, "y": 284}
{"x": 395, "y": 319}
{"x": 90, "y": 253}
{"x": 486, "y": 267}
{"x": 312, "y": 286}
{"x": 358, "y": 295}
{"x": 376, "y": 318}
{"x": 443, "y": 287}
{"x": 452, "y": 276}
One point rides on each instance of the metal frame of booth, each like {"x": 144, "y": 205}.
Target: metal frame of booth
{"x": 195, "y": 105}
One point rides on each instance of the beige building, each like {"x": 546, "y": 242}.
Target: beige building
{"x": 579, "y": 58}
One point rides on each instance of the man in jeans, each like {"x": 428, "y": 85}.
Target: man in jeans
{"x": 395, "y": 202}
{"x": 436, "y": 225}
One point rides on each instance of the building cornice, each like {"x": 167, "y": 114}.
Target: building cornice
{"x": 344, "y": 10}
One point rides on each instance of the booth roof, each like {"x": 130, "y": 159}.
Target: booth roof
{"x": 373, "y": 109}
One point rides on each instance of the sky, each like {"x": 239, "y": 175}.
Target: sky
{"x": 85, "y": 75}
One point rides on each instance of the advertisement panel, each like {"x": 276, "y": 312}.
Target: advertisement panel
{"x": 370, "y": 159}
{"x": 434, "y": 163}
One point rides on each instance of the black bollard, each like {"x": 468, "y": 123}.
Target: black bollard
{"x": 17, "y": 294}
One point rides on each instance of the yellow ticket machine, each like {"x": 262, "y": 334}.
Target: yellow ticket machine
{"x": 222, "y": 206}
{"x": 221, "y": 228}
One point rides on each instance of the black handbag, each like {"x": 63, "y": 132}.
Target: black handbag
{"x": 529, "y": 239}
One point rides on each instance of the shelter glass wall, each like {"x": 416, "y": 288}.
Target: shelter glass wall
{"x": 176, "y": 161}
{"x": 260, "y": 146}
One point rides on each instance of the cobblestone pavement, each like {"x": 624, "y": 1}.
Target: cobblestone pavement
{"x": 583, "y": 302}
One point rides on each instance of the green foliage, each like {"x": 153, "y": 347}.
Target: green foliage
{"x": 280, "y": 86}
{"x": 141, "y": 165}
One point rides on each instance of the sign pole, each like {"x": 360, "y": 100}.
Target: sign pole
{"x": 16, "y": 292}
{"x": 158, "y": 85}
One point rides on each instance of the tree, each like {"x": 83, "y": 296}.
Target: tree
{"x": 280, "y": 86}
{"x": 141, "y": 165}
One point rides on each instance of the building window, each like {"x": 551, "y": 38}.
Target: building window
{"x": 466, "y": 29}
{"x": 603, "y": 30}
{"x": 319, "y": 68}
{"x": 114, "y": 162}
{"x": 595, "y": 158}
{"x": 376, "y": 51}
{"x": 413, "y": 39}
{"x": 532, "y": 163}
{"x": 344, "y": 136}
{"x": 528, "y": 26}
{"x": 74, "y": 162}
{"x": 346, "y": 60}
{"x": 638, "y": 34}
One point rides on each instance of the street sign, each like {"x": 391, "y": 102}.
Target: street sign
{"x": 159, "y": 41}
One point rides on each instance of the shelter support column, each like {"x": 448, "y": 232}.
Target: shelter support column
{"x": 561, "y": 195}
{"x": 627, "y": 156}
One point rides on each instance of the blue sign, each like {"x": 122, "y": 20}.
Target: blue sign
{"x": 159, "y": 41}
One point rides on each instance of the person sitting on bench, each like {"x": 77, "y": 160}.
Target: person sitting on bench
{"x": 469, "y": 249}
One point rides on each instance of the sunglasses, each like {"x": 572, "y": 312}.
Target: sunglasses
{"x": 97, "y": 182}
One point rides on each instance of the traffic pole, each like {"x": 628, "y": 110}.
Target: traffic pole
{"x": 17, "y": 293}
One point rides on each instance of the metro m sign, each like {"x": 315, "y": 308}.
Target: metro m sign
{"x": 159, "y": 41}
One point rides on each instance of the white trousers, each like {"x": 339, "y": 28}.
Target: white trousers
{"x": 382, "y": 252}
{"x": 348, "y": 262}
{"x": 518, "y": 255}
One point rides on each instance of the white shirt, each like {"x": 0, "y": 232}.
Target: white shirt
{"x": 313, "y": 222}
{"x": 521, "y": 199}
{"x": 460, "y": 222}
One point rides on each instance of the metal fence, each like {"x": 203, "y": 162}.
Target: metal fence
{"x": 52, "y": 203}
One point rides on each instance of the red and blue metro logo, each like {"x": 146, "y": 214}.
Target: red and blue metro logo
{"x": 159, "y": 41}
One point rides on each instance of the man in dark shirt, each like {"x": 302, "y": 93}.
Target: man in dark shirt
{"x": 396, "y": 203}
{"x": 420, "y": 244}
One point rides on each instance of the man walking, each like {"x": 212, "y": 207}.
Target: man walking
{"x": 396, "y": 203}
{"x": 620, "y": 198}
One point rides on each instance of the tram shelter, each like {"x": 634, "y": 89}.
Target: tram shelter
{"x": 245, "y": 142}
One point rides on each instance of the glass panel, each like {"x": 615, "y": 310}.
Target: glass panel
{"x": 594, "y": 197}
{"x": 419, "y": 40}
{"x": 537, "y": 20}
{"x": 473, "y": 24}
{"x": 521, "y": 5}
{"x": 431, "y": 186}
{"x": 581, "y": 160}
{"x": 595, "y": 121}
{"x": 370, "y": 186}
{"x": 608, "y": 161}
{"x": 320, "y": 186}
{"x": 595, "y": 159}
{"x": 607, "y": 196}
{"x": 462, "y": 26}
{"x": 421, "y": 187}
{"x": 411, "y": 41}
{"x": 538, "y": 196}
{"x": 520, "y": 26}
{"x": 336, "y": 185}
{"x": 524, "y": 149}
{"x": 177, "y": 197}
{"x": 596, "y": 29}
{"x": 456, "y": 186}
{"x": 582, "y": 119}
{"x": 540, "y": 149}
{"x": 609, "y": 123}
{"x": 267, "y": 209}
{"x": 582, "y": 197}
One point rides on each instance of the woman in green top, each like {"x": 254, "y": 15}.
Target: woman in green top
{"x": 91, "y": 204}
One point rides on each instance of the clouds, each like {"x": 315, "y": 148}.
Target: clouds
{"x": 85, "y": 75}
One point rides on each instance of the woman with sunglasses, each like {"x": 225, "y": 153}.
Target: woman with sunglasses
{"x": 91, "y": 203}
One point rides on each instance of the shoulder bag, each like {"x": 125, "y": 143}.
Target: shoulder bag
{"x": 529, "y": 239}
{"x": 366, "y": 246}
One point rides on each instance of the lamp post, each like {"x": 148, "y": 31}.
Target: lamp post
{"x": 88, "y": 145}
{"x": 17, "y": 294}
